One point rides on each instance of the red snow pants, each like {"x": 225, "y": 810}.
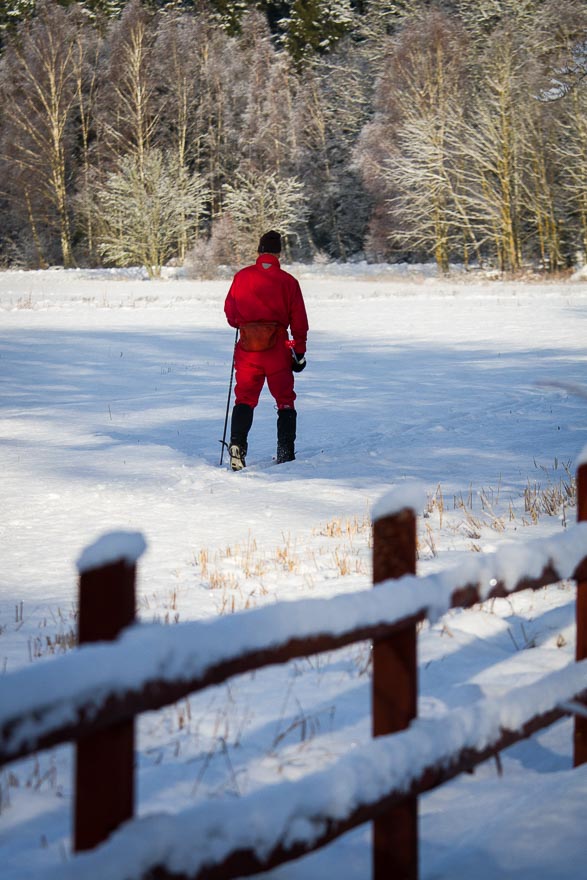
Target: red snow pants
{"x": 273, "y": 364}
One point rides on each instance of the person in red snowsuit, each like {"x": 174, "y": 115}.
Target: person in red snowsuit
{"x": 263, "y": 302}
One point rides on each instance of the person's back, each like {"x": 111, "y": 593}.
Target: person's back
{"x": 263, "y": 301}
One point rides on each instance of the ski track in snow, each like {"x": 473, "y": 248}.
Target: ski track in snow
{"x": 112, "y": 401}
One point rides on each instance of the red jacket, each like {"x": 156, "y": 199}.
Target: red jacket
{"x": 264, "y": 292}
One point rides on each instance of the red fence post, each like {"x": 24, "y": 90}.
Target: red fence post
{"x": 104, "y": 771}
{"x": 395, "y": 695}
{"x": 580, "y": 733}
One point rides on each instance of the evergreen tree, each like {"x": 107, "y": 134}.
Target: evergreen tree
{"x": 229, "y": 13}
{"x": 316, "y": 26}
{"x": 13, "y": 13}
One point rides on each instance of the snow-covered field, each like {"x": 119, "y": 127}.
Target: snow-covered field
{"x": 114, "y": 392}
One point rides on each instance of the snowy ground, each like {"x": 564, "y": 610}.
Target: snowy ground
{"x": 113, "y": 394}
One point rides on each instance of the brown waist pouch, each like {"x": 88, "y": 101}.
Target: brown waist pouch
{"x": 259, "y": 335}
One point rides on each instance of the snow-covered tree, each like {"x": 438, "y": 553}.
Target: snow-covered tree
{"x": 257, "y": 202}
{"x": 228, "y": 14}
{"x": 267, "y": 134}
{"x": 405, "y": 153}
{"x": 13, "y": 13}
{"x": 331, "y": 109}
{"x": 127, "y": 110}
{"x": 87, "y": 57}
{"x": 142, "y": 207}
{"x": 437, "y": 142}
{"x": 221, "y": 78}
{"x": 484, "y": 16}
{"x": 560, "y": 37}
{"x": 177, "y": 67}
{"x": 494, "y": 148}
{"x": 558, "y": 42}
{"x": 571, "y": 149}
{"x": 316, "y": 26}
{"x": 40, "y": 97}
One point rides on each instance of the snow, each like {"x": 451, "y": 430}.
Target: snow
{"x": 150, "y": 654}
{"x": 411, "y": 497}
{"x": 110, "y": 548}
{"x": 291, "y": 812}
{"x": 113, "y": 394}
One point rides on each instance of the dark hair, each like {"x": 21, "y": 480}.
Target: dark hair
{"x": 270, "y": 243}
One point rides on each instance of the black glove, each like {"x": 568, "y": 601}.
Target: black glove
{"x": 298, "y": 361}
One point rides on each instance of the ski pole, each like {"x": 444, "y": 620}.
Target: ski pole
{"x": 223, "y": 441}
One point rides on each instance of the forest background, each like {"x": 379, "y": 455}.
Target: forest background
{"x": 156, "y": 132}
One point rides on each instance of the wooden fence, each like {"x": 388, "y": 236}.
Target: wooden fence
{"x": 104, "y": 729}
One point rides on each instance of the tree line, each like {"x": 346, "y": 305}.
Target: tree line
{"x": 141, "y": 133}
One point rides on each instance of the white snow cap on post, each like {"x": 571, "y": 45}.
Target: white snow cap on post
{"x": 410, "y": 495}
{"x": 110, "y": 548}
{"x": 582, "y": 458}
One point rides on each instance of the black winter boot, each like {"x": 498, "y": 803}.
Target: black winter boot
{"x": 240, "y": 425}
{"x": 286, "y": 435}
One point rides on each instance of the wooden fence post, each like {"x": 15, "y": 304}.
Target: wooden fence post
{"x": 580, "y": 732}
{"x": 104, "y": 771}
{"x": 395, "y": 695}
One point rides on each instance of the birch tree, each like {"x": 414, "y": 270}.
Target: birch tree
{"x": 127, "y": 112}
{"x": 492, "y": 149}
{"x": 141, "y": 208}
{"x": 571, "y": 149}
{"x": 39, "y": 95}
{"x": 267, "y": 136}
{"x": 87, "y": 56}
{"x": 406, "y": 153}
{"x": 333, "y": 105}
{"x": 541, "y": 194}
{"x": 255, "y": 203}
{"x": 562, "y": 38}
{"x": 176, "y": 63}
{"x": 221, "y": 101}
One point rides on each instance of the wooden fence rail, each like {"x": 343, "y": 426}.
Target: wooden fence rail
{"x": 104, "y": 726}
{"x": 61, "y": 713}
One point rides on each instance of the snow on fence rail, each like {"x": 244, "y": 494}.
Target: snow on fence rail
{"x": 93, "y": 695}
